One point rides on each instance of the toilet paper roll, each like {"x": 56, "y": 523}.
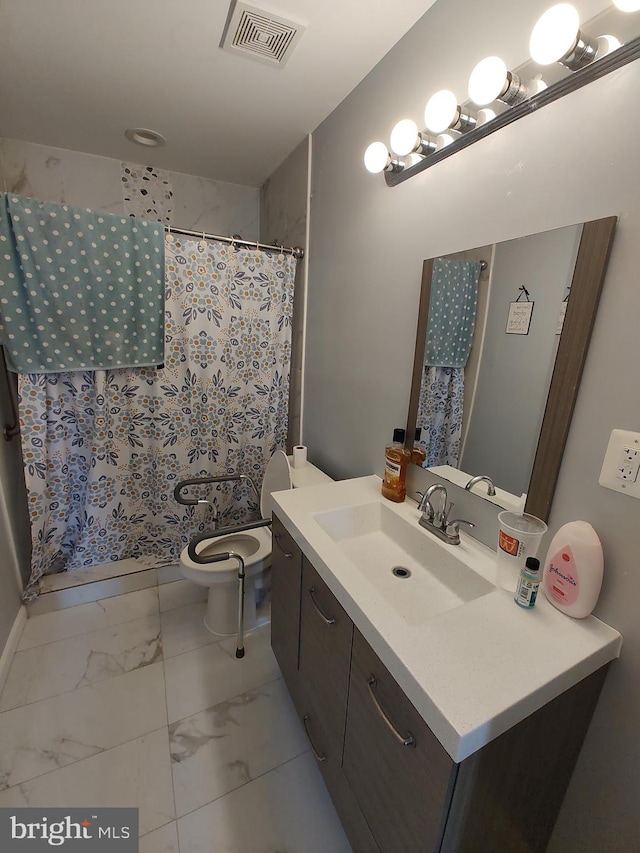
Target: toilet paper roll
{"x": 299, "y": 456}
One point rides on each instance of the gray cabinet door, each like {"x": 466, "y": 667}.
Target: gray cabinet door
{"x": 286, "y": 577}
{"x": 400, "y": 774}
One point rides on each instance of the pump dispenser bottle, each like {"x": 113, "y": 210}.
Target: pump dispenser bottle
{"x": 396, "y": 459}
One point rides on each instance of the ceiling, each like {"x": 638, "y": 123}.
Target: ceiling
{"x": 77, "y": 73}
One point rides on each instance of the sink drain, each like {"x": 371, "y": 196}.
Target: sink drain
{"x": 400, "y": 572}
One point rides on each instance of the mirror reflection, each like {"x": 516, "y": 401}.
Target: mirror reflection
{"x": 488, "y": 352}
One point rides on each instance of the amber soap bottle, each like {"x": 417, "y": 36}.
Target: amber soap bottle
{"x": 396, "y": 460}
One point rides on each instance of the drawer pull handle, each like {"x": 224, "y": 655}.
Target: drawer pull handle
{"x": 320, "y": 758}
{"x": 326, "y": 619}
{"x": 288, "y": 555}
{"x": 409, "y": 740}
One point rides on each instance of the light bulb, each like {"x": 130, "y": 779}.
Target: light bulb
{"x": 606, "y": 45}
{"x": 412, "y": 160}
{"x": 484, "y": 116}
{"x": 627, "y": 5}
{"x": 488, "y": 81}
{"x": 441, "y": 111}
{"x": 555, "y": 35}
{"x": 376, "y": 157}
{"x": 444, "y": 139}
{"x": 404, "y": 137}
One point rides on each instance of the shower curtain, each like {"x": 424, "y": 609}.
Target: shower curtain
{"x": 103, "y": 449}
{"x": 452, "y": 314}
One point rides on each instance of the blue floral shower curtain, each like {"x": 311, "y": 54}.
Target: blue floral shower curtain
{"x": 452, "y": 314}
{"x": 104, "y": 449}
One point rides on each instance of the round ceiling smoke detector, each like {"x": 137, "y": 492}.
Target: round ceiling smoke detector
{"x": 143, "y": 136}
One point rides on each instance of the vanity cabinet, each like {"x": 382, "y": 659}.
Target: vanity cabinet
{"x": 326, "y": 635}
{"x": 401, "y": 774}
{"x": 286, "y": 579}
{"x": 394, "y": 786}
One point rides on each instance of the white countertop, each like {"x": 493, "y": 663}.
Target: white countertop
{"x": 474, "y": 671}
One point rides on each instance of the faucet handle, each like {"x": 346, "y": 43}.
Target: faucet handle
{"x": 453, "y": 526}
{"x": 424, "y": 505}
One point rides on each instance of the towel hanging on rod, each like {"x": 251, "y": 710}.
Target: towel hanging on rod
{"x": 81, "y": 290}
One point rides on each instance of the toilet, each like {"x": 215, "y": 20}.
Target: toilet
{"x": 254, "y": 546}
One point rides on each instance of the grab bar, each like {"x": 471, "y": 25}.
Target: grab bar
{"x": 11, "y": 429}
{"x": 213, "y": 534}
{"x": 199, "y": 481}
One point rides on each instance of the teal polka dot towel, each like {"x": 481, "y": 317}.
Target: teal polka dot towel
{"x": 79, "y": 290}
{"x": 452, "y": 312}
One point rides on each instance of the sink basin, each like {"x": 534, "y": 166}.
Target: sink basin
{"x": 418, "y": 577}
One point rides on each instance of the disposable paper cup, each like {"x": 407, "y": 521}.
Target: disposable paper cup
{"x": 519, "y": 537}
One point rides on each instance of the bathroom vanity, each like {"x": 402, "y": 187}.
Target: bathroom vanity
{"x": 442, "y": 716}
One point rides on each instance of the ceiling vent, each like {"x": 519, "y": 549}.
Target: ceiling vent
{"x": 261, "y": 35}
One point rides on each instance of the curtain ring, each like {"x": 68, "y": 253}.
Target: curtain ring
{"x": 203, "y": 243}
{"x": 168, "y": 234}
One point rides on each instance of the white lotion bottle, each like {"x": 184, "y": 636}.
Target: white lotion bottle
{"x": 573, "y": 569}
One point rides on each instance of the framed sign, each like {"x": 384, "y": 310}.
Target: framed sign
{"x": 519, "y": 318}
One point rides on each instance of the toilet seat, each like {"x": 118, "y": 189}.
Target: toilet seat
{"x": 254, "y": 546}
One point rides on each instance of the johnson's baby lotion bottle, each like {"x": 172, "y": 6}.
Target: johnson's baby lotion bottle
{"x": 573, "y": 569}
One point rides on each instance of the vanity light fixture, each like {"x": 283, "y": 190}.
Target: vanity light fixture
{"x": 443, "y": 112}
{"x": 377, "y": 159}
{"x": 557, "y": 37}
{"x": 444, "y": 139}
{"x": 491, "y": 81}
{"x": 407, "y": 139}
{"x": 485, "y": 115}
{"x": 501, "y": 94}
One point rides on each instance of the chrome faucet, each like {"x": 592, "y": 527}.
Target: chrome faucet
{"x": 437, "y": 520}
{"x": 491, "y": 489}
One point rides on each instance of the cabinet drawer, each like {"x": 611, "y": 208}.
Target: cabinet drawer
{"x": 286, "y": 578}
{"x": 403, "y": 790}
{"x": 326, "y": 633}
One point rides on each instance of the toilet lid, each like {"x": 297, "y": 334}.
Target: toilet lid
{"x": 276, "y": 478}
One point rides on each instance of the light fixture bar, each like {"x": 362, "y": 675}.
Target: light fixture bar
{"x": 617, "y": 59}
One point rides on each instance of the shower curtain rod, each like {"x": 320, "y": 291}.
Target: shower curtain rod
{"x": 296, "y": 251}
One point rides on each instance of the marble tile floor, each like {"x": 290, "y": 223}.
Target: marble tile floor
{"x": 131, "y": 701}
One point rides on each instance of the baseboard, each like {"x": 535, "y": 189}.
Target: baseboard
{"x": 12, "y": 644}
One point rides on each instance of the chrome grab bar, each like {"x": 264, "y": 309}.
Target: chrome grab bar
{"x": 200, "y": 481}
{"x": 327, "y": 620}
{"x": 214, "y": 534}
{"x": 10, "y": 430}
{"x": 407, "y": 740}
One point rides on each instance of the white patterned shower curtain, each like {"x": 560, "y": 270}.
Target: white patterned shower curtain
{"x": 104, "y": 449}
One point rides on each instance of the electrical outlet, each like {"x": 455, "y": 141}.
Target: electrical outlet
{"x": 621, "y": 464}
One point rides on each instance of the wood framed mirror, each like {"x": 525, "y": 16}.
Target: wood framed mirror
{"x": 556, "y": 406}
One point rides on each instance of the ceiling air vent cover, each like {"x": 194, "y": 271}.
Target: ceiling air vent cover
{"x": 261, "y": 35}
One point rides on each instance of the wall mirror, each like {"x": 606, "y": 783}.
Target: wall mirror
{"x": 503, "y": 332}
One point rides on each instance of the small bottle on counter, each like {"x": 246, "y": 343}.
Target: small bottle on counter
{"x": 396, "y": 459}
{"x": 528, "y": 583}
{"x": 418, "y": 454}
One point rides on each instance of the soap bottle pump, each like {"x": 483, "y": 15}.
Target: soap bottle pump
{"x": 396, "y": 460}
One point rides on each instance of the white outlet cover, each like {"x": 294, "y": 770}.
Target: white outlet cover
{"x": 620, "y": 438}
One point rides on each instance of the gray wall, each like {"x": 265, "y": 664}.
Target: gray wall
{"x": 572, "y": 161}
{"x": 515, "y": 372}
{"x": 283, "y": 218}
